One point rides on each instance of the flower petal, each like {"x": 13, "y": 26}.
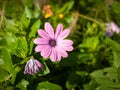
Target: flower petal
{"x": 61, "y": 51}
{"x": 43, "y": 34}
{"x": 40, "y": 48}
{"x": 65, "y": 42}
{"x": 49, "y": 29}
{"x": 58, "y": 57}
{"x": 58, "y": 30}
{"x": 64, "y": 34}
{"x": 53, "y": 55}
{"x": 41, "y": 41}
{"x": 68, "y": 48}
{"x": 46, "y": 52}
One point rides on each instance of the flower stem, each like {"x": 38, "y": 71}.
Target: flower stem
{"x": 90, "y": 19}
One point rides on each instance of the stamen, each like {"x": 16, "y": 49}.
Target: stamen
{"x": 52, "y": 43}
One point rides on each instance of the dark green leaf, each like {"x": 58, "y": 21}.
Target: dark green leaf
{"x": 48, "y": 86}
{"x": 107, "y": 77}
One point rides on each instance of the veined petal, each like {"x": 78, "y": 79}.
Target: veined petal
{"x": 65, "y": 42}
{"x": 49, "y": 29}
{"x": 58, "y": 30}
{"x": 41, "y": 41}
{"x": 43, "y": 34}
{"x": 61, "y": 51}
{"x": 58, "y": 57}
{"x": 64, "y": 34}
{"x": 67, "y": 48}
{"x": 53, "y": 55}
{"x": 40, "y": 48}
{"x": 46, "y": 52}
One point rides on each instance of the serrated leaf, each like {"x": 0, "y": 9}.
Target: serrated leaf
{"x": 48, "y": 86}
{"x": 34, "y": 28}
{"x": 25, "y": 21}
{"x": 22, "y": 47}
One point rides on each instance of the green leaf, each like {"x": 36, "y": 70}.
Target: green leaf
{"x": 3, "y": 74}
{"x": 105, "y": 88}
{"x": 116, "y": 57}
{"x": 25, "y": 21}
{"x": 34, "y": 28}
{"x": 23, "y": 85}
{"x": 114, "y": 45}
{"x": 116, "y": 51}
{"x": 8, "y": 65}
{"x": 90, "y": 43}
{"x": 22, "y": 47}
{"x": 48, "y": 86}
{"x": 106, "y": 77}
{"x": 28, "y": 12}
{"x": 66, "y": 8}
{"x": 31, "y": 46}
{"x": 11, "y": 26}
{"x": 118, "y": 73}
{"x": 45, "y": 71}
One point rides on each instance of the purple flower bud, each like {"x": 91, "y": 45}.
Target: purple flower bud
{"x": 33, "y": 66}
{"x": 111, "y": 28}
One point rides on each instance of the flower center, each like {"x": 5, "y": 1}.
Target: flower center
{"x": 52, "y": 43}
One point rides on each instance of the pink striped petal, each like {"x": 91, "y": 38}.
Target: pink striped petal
{"x": 58, "y": 30}
{"x": 46, "y": 52}
{"x": 67, "y": 48}
{"x": 65, "y": 42}
{"x": 58, "y": 57}
{"x": 43, "y": 34}
{"x": 64, "y": 34}
{"x": 49, "y": 29}
{"x": 53, "y": 55}
{"x": 61, "y": 51}
{"x": 41, "y": 41}
{"x": 40, "y": 48}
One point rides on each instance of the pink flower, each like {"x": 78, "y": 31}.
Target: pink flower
{"x": 111, "y": 28}
{"x": 32, "y": 66}
{"x": 53, "y": 45}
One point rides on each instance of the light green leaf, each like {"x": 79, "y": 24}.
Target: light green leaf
{"x": 66, "y": 8}
{"x": 5, "y": 55}
{"x": 28, "y": 13}
{"x": 22, "y": 47}
{"x": 34, "y": 28}
{"x": 48, "y": 86}
{"x": 25, "y": 21}
{"x": 90, "y": 43}
{"x": 23, "y": 85}
{"x": 11, "y": 26}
